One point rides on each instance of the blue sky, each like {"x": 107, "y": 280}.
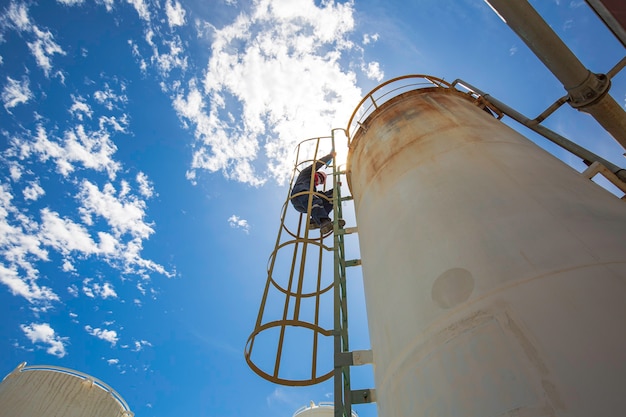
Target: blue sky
{"x": 145, "y": 152}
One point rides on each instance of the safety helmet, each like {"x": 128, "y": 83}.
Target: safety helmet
{"x": 320, "y": 177}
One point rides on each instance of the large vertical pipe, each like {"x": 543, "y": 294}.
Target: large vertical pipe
{"x": 494, "y": 274}
{"x": 588, "y": 92}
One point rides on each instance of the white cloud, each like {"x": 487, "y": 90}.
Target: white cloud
{"x": 113, "y": 361}
{"x": 70, "y": 2}
{"x": 45, "y": 334}
{"x": 145, "y": 186}
{"x": 239, "y": 223}
{"x": 107, "y": 335}
{"x": 279, "y": 67}
{"x": 26, "y": 287}
{"x": 370, "y": 38}
{"x": 166, "y": 62}
{"x": 67, "y": 266}
{"x": 43, "y": 48}
{"x": 109, "y": 98}
{"x": 21, "y": 247}
{"x": 73, "y": 290}
{"x": 123, "y": 214}
{"x": 80, "y": 108}
{"x": 15, "y": 93}
{"x": 107, "y": 3}
{"x": 33, "y": 191}
{"x": 93, "y": 290}
{"x": 372, "y": 71}
{"x": 64, "y": 235}
{"x": 140, "y": 344}
{"x": 18, "y": 16}
{"x": 141, "y": 8}
{"x": 93, "y": 150}
{"x": 175, "y": 13}
{"x": 15, "y": 170}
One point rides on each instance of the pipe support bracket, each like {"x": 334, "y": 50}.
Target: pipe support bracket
{"x": 589, "y": 91}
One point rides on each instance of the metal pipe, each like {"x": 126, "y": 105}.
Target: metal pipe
{"x": 613, "y": 14}
{"x": 587, "y": 91}
{"x": 586, "y": 155}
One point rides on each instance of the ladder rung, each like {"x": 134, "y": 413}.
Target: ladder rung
{"x": 363, "y": 396}
{"x": 349, "y": 230}
{"x": 353, "y": 262}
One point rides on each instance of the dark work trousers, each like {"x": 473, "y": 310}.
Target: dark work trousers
{"x": 320, "y": 207}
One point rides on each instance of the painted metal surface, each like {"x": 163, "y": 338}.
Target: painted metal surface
{"x": 322, "y": 409}
{"x": 38, "y": 391}
{"x": 613, "y": 14}
{"x": 292, "y": 340}
{"x": 587, "y": 91}
{"x": 494, "y": 274}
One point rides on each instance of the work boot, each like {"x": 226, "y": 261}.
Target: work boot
{"x": 313, "y": 225}
{"x": 326, "y": 226}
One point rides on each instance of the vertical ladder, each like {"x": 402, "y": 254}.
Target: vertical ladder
{"x": 344, "y": 358}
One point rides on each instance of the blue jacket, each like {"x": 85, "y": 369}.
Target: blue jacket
{"x": 303, "y": 182}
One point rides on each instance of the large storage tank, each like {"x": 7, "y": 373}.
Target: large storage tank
{"x": 494, "y": 274}
{"x": 48, "y": 391}
{"x": 322, "y": 409}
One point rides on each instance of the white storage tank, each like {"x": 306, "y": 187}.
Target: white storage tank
{"x": 49, "y": 391}
{"x": 494, "y": 274}
{"x": 322, "y": 409}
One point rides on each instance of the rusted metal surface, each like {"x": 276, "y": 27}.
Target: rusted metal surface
{"x": 493, "y": 273}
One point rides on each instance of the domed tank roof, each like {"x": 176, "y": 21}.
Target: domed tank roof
{"x": 322, "y": 409}
{"x": 58, "y": 392}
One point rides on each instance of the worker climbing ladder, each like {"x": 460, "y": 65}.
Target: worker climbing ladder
{"x": 298, "y": 305}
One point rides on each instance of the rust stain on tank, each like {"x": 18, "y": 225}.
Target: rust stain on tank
{"x": 391, "y": 129}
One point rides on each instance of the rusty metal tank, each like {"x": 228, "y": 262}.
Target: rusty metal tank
{"x": 50, "y": 391}
{"x": 494, "y": 274}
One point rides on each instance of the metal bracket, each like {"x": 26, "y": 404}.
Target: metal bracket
{"x": 589, "y": 91}
{"x": 357, "y": 357}
{"x": 349, "y": 230}
{"x": 353, "y": 262}
{"x": 598, "y": 168}
{"x": 363, "y": 396}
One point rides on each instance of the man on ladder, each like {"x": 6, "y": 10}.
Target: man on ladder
{"x": 320, "y": 207}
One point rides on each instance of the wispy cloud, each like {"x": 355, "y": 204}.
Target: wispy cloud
{"x": 15, "y": 92}
{"x": 280, "y": 65}
{"x": 103, "y": 334}
{"x": 141, "y": 7}
{"x": 175, "y": 13}
{"x": 43, "y": 333}
{"x": 33, "y": 191}
{"x": 239, "y": 223}
{"x": 43, "y": 48}
{"x": 93, "y": 289}
{"x": 40, "y": 42}
{"x": 140, "y": 345}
